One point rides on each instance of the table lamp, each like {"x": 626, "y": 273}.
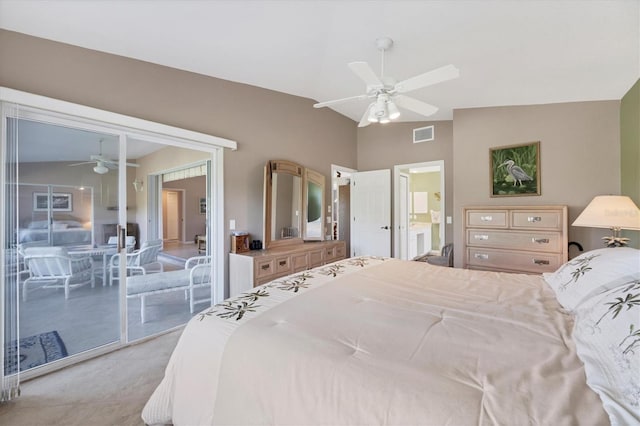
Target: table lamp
{"x": 615, "y": 212}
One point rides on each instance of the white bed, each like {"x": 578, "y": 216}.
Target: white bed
{"x": 382, "y": 341}
{"x": 64, "y": 232}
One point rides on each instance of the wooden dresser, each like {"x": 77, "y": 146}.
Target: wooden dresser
{"x": 529, "y": 239}
{"x": 251, "y": 269}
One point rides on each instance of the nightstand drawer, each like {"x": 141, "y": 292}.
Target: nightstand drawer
{"x": 487, "y": 218}
{"x": 532, "y": 241}
{"x": 536, "y": 220}
{"x": 513, "y": 260}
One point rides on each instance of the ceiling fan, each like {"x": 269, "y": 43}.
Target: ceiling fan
{"x": 102, "y": 163}
{"x": 387, "y": 94}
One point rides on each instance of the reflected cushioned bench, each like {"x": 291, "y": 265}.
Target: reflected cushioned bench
{"x": 197, "y": 274}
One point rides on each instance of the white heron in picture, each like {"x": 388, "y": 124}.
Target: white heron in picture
{"x": 516, "y": 172}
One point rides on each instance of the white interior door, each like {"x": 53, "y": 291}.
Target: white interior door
{"x": 172, "y": 215}
{"x": 371, "y": 213}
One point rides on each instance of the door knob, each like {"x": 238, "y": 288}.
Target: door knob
{"x": 384, "y": 227}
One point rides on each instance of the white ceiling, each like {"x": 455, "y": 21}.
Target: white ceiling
{"x": 509, "y": 52}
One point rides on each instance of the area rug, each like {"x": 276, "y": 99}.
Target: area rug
{"x": 34, "y": 351}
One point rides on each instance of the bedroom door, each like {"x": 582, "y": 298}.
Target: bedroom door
{"x": 371, "y": 213}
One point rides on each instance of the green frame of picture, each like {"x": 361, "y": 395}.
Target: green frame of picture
{"x": 515, "y": 170}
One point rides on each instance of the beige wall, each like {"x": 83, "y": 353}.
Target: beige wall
{"x": 385, "y": 146}
{"x": 266, "y": 124}
{"x": 579, "y": 158}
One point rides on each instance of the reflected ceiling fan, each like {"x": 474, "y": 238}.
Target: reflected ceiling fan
{"x": 102, "y": 163}
{"x": 387, "y": 94}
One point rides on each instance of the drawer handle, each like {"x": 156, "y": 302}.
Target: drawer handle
{"x": 534, "y": 219}
{"x": 486, "y": 218}
{"x": 265, "y": 267}
{"x": 481, "y": 237}
{"x": 540, "y": 262}
{"x": 282, "y": 263}
{"x": 540, "y": 240}
{"x": 481, "y": 256}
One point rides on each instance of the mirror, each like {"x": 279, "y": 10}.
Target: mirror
{"x": 293, "y": 204}
{"x": 314, "y": 200}
{"x": 282, "y": 203}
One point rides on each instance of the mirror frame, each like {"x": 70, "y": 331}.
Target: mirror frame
{"x": 279, "y": 166}
{"x": 311, "y": 176}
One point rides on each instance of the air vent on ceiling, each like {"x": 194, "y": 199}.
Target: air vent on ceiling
{"x": 423, "y": 134}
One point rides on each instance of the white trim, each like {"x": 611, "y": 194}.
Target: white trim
{"x": 216, "y": 241}
{"x": 396, "y": 200}
{"x": 55, "y": 105}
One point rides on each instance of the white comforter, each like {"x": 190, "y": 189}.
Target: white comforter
{"x": 380, "y": 341}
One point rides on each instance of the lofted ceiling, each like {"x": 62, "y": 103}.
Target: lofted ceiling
{"x": 515, "y": 52}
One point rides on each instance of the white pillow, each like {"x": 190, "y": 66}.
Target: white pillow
{"x": 593, "y": 272}
{"x": 607, "y": 337}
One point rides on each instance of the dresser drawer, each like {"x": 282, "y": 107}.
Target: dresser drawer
{"x": 283, "y": 265}
{"x": 329, "y": 254}
{"x": 487, "y": 218}
{"x": 532, "y": 241}
{"x": 300, "y": 262}
{"x": 264, "y": 268}
{"x": 513, "y": 260}
{"x": 315, "y": 258}
{"x": 340, "y": 251}
{"x": 537, "y": 220}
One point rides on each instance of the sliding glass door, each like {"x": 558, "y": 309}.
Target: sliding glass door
{"x": 96, "y": 254}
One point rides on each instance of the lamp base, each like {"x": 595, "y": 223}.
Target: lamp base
{"x": 614, "y": 241}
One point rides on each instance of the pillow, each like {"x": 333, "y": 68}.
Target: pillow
{"x": 593, "y": 272}
{"x": 70, "y": 223}
{"x": 607, "y": 337}
{"x": 58, "y": 226}
{"x": 39, "y": 224}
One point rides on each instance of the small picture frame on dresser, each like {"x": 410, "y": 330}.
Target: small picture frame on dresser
{"x": 515, "y": 170}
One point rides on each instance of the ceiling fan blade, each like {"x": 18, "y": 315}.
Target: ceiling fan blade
{"x": 364, "y": 122}
{"x": 132, "y": 165}
{"x": 84, "y": 162}
{"x": 366, "y": 74}
{"x": 448, "y": 72}
{"x": 415, "y": 105}
{"x": 338, "y": 101}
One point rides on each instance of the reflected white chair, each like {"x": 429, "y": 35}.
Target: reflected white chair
{"x": 54, "y": 268}
{"x": 140, "y": 262}
{"x": 130, "y": 242}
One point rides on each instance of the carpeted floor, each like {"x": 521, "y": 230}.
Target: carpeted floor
{"x": 108, "y": 390}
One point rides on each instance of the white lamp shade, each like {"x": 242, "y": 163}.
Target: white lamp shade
{"x": 610, "y": 211}
{"x": 393, "y": 110}
{"x": 100, "y": 168}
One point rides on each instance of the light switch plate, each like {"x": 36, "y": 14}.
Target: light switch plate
{"x": 232, "y": 224}
{"x": 449, "y": 220}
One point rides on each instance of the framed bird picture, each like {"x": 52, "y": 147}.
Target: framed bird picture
{"x": 515, "y": 170}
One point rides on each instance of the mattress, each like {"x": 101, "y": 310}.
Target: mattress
{"x": 374, "y": 340}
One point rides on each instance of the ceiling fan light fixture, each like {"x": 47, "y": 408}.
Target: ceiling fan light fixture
{"x": 100, "y": 168}
{"x": 384, "y": 120}
{"x": 393, "y": 110}
{"x": 372, "y": 114}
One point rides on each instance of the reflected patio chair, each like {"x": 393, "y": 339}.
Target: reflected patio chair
{"x": 54, "y": 268}
{"x": 130, "y": 242}
{"x": 140, "y": 262}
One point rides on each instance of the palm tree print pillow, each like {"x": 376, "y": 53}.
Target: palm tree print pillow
{"x": 607, "y": 336}
{"x": 592, "y": 273}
